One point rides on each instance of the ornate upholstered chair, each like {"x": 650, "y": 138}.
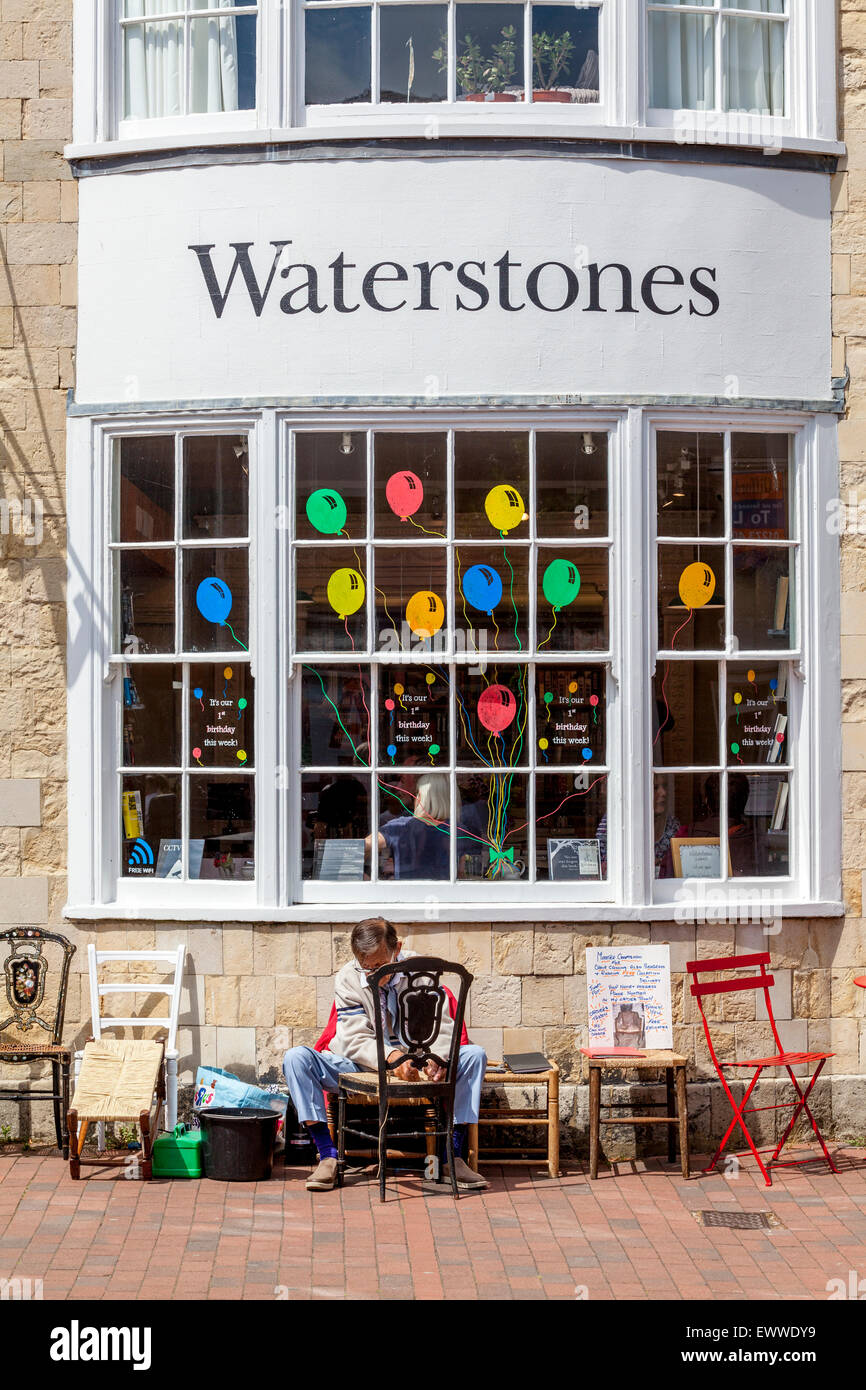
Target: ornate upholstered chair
{"x": 36, "y": 977}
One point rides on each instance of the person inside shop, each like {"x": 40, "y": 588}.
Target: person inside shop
{"x": 741, "y": 845}
{"x": 665, "y": 828}
{"x": 374, "y": 943}
{"x": 419, "y": 844}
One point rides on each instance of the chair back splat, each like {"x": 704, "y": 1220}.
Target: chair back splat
{"x": 701, "y": 990}
{"x": 419, "y": 1001}
{"x": 36, "y": 979}
{"x": 169, "y": 962}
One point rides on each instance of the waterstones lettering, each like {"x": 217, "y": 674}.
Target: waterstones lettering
{"x": 428, "y": 286}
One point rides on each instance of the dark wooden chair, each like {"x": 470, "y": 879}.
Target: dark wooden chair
{"x": 32, "y": 1029}
{"x": 420, "y": 1004}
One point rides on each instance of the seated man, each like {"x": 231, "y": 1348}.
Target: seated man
{"x": 374, "y": 943}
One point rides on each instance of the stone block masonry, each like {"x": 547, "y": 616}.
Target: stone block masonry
{"x": 253, "y": 990}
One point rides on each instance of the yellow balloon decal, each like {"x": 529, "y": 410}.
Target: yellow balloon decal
{"x": 346, "y": 592}
{"x": 738, "y": 699}
{"x": 505, "y": 508}
{"x": 697, "y": 585}
{"x": 425, "y": 613}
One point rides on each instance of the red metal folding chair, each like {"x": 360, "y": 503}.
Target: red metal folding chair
{"x": 781, "y": 1059}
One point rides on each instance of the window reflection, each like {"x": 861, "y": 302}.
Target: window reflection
{"x": 565, "y": 65}
{"x": 337, "y": 68}
{"x": 409, "y": 37}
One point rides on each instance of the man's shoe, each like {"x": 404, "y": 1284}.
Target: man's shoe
{"x": 325, "y": 1176}
{"x": 467, "y": 1181}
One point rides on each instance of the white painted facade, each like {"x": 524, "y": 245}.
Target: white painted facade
{"x": 726, "y": 296}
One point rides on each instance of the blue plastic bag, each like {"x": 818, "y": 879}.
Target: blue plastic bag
{"x": 213, "y": 1086}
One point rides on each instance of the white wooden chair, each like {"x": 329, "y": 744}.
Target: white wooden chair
{"x": 99, "y": 987}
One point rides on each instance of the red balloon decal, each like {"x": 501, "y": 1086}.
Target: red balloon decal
{"x": 496, "y": 708}
{"x": 405, "y": 493}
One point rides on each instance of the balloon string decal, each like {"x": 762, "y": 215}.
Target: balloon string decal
{"x": 466, "y": 617}
{"x": 663, "y": 724}
{"x": 548, "y": 814}
{"x": 237, "y": 639}
{"x": 550, "y": 630}
{"x": 681, "y": 626}
{"x": 337, "y": 713}
{"x": 387, "y": 614}
{"x": 513, "y": 604}
{"x": 440, "y": 534}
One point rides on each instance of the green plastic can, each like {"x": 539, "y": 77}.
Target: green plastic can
{"x": 178, "y": 1155}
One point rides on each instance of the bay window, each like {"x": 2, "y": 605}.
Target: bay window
{"x": 530, "y": 663}
{"x": 218, "y": 67}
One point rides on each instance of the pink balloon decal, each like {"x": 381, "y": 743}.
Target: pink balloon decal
{"x": 496, "y": 708}
{"x": 405, "y": 493}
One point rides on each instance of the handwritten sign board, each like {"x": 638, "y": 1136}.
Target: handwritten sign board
{"x": 629, "y": 994}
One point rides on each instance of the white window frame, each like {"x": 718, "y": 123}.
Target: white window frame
{"x": 623, "y": 114}
{"x": 468, "y": 891}
{"x": 665, "y": 890}
{"x": 130, "y": 128}
{"x": 805, "y": 77}
{"x": 632, "y": 893}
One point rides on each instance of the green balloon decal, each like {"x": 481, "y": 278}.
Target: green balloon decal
{"x": 735, "y": 748}
{"x": 326, "y": 510}
{"x": 561, "y": 583}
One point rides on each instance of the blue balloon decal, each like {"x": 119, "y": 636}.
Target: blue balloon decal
{"x": 214, "y": 600}
{"x": 482, "y": 588}
{"x": 587, "y": 754}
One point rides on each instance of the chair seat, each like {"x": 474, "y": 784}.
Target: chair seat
{"x": 783, "y": 1059}
{"x": 24, "y": 1051}
{"x": 366, "y": 1083}
{"x": 117, "y": 1079}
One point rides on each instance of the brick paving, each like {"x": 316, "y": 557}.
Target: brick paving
{"x": 630, "y": 1235}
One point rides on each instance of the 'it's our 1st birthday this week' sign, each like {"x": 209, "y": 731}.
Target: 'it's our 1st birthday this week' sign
{"x": 629, "y": 992}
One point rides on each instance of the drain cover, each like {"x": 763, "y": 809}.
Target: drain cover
{"x": 739, "y": 1220}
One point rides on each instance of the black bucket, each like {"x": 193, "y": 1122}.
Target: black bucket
{"x": 237, "y": 1145}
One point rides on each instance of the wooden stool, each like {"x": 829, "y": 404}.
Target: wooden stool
{"x": 546, "y": 1119}
{"x": 673, "y": 1064}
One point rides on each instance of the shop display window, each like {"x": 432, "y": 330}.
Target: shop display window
{"x": 474, "y": 727}
{"x": 518, "y": 664}
{"x": 181, "y": 586}
{"x": 722, "y": 745}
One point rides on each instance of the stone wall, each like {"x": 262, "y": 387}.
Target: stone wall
{"x": 38, "y": 214}
{"x": 250, "y": 992}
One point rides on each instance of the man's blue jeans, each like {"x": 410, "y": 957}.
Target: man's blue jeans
{"x": 308, "y": 1073}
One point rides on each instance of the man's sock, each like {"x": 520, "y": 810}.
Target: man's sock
{"x": 321, "y": 1137}
{"x": 459, "y": 1139}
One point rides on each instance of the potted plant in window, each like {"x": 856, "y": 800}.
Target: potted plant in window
{"x": 480, "y": 78}
{"x": 551, "y": 56}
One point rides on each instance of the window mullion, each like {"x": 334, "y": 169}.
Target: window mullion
{"x": 452, "y": 51}
{"x": 374, "y": 54}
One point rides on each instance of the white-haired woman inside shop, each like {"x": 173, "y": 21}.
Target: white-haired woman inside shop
{"x": 420, "y": 843}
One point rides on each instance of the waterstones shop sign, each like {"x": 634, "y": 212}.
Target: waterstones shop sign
{"x": 477, "y": 279}
{"x": 270, "y": 278}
